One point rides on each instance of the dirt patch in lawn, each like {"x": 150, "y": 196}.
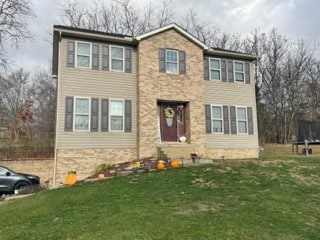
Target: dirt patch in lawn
{"x": 199, "y": 207}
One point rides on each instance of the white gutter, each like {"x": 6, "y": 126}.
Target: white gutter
{"x": 56, "y": 77}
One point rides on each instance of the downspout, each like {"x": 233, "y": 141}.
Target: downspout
{"x": 56, "y": 77}
{"x": 56, "y": 141}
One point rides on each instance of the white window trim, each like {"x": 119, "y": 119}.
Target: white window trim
{"x": 246, "y": 133}
{"x": 74, "y": 114}
{"x": 76, "y": 54}
{"x": 212, "y": 118}
{"x": 243, "y": 72}
{"x": 110, "y": 58}
{"x": 178, "y": 60}
{"x": 215, "y": 69}
{"x": 123, "y": 114}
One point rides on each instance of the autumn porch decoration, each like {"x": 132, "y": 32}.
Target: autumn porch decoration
{"x": 70, "y": 178}
{"x": 160, "y": 165}
{"x": 169, "y": 114}
{"x": 175, "y": 163}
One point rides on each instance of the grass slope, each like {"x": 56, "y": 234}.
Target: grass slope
{"x": 276, "y": 197}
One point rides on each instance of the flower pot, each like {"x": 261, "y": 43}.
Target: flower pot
{"x": 100, "y": 176}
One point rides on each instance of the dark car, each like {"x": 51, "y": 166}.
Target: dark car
{"x": 12, "y": 182}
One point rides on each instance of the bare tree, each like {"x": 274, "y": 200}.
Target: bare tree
{"x": 13, "y": 89}
{"x": 274, "y": 48}
{"x": 280, "y": 82}
{"x": 117, "y": 16}
{"x": 297, "y": 61}
{"x": 204, "y": 31}
{"x": 22, "y": 125}
{"x": 43, "y": 92}
{"x": 313, "y": 89}
{"x": 13, "y": 24}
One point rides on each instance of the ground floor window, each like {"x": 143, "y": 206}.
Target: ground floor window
{"x": 242, "y": 123}
{"x": 217, "y": 119}
{"x": 82, "y": 113}
{"x": 116, "y": 115}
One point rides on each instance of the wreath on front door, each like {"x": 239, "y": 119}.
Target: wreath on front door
{"x": 169, "y": 112}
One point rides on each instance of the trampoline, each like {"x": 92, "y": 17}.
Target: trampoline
{"x": 308, "y": 133}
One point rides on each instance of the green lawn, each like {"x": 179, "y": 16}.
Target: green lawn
{"x": 275, "y": 197}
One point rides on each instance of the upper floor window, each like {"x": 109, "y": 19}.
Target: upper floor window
{"x": 117, "y": 58}
{"x": 226, "y": 70}
{"x": 215, "y": 69}
{"x": 217, "y": 119}
{"x": 99, "y": 56}
{"x": 242, "y": 121}
{"x": 171, "y": 61}
{"x": 83, "y": 52}
{"x": 116, "y": 115}
{"x": 239, "y": 71}
{"x": 81, "y": 113}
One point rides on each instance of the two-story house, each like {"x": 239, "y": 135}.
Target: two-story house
{"x": 163, "y": 93}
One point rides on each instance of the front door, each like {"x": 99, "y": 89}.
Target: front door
{"x": 172, "y": 123}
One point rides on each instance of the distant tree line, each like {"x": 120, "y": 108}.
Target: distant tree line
{"x": 287, "y": 72}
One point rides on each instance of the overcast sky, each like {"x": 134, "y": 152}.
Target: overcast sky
{"x": 293, "y": 18}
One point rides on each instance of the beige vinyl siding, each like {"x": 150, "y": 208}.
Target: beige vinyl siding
{"x": 232, "y": 94}
{"x": 84, "y": 82}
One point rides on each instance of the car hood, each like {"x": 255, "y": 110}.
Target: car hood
{"x": 27, "y": 175}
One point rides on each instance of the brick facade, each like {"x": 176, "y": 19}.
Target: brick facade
{"x": 85, "y": 161}
{"x": 154, "y": 85}
{"x": 230, "y": 153}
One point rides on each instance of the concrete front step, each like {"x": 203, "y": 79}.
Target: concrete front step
{"x": 176, "y": 150}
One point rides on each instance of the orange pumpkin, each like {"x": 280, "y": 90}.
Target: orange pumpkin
{"x": 70, "y": 178}
{"x": 160, "y": 165}
{"x": 175, "y": 164}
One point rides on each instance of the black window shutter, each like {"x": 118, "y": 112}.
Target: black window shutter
{"x": 230, "y": 71}
{"x": 127, "y": 65}
{"x": 95, "y": 56}
{"x": 223, "y": 70}
{"x": 226, "y": 119}
{"x": 55, "y": 55}
{"x": 104, "y": 115}
{"x": 247, "y": 72}
{"x": 250, "y": 120}
{"x": 162, "y": 60}
{"x": 68, "y": 121}
{"x": 70, "y": 54}
{"x": 182, "y": 62}
{"x": 208, "y": 118}
{"x": 105, "y": 57}
{"x": 206, "y": 68}
{"x": 127, "y": 116}
{"x": 94, "y": 114}
{"x": 233, "y": 119}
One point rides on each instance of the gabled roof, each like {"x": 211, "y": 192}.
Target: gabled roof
{"x": 65, "y": 31}
{"x": 178, "y": 29}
